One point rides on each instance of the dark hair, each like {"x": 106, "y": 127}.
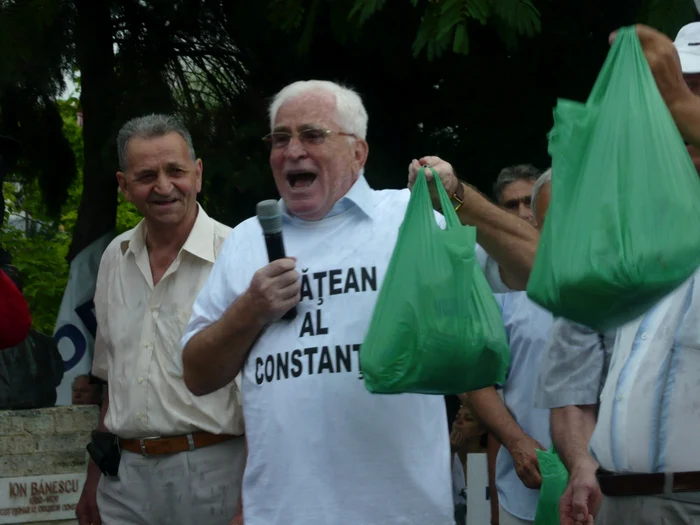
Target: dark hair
{"x": 512, "y": 174}
{"x": 484, "y": 440}
{"x": 13, "y": 273}
{"x": 452, "y": 405}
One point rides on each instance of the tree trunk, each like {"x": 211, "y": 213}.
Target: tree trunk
{"x": 98, "y": 98}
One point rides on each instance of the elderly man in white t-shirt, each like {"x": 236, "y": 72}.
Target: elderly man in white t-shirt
{"x": 329, "y": 451}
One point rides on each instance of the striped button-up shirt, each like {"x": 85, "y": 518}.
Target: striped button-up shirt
{"x": 649, "y": 417}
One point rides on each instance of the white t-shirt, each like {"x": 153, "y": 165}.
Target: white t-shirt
{"x": 322, "y": 449}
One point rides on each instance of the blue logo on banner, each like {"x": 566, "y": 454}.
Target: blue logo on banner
{"x": 86, "y": 314}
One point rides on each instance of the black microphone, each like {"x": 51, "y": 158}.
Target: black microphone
{"x": 270, "y": 218}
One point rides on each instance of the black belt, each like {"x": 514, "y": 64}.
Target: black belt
{"x": 612, "y": 484}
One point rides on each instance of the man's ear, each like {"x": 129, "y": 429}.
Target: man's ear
{"x": 199, "y": 170}
{"x": 361, "y": 153}
{"x": 123, "y": 186}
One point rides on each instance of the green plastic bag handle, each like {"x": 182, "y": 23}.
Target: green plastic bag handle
{"x": 425, "y": 204}
{"x": 626, "y": 41}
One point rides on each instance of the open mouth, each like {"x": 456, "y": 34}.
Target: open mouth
{"x": 302, "y": 179}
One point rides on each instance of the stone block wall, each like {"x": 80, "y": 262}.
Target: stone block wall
{"x": 45, "y": 442}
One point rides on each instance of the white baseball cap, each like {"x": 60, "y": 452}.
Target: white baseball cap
{"x": 688, "y": 45}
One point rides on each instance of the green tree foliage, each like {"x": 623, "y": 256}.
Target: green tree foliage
{"x": 134, "y": 57}
{"x": 37, "y": 240}
{"x": 443, "y": 23}
{"x": 39, "y": 255}
{"x": 668, "y": 16}
{"x": 35, "y": 39}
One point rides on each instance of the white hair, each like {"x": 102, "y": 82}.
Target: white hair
{"x": 543, "y": 179}
{"x": 351, "y": 112}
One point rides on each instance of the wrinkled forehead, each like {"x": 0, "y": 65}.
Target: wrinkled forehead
{"x": 316, "y": 108}
{"x": 150, "y": 152}
{"x": 81, "y": 381}
{"x": 517, "y": 190}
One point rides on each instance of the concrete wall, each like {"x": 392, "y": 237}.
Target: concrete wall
{"x": 45, "y": 442}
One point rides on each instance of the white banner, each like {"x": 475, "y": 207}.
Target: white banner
{"x": 76, "y": 323}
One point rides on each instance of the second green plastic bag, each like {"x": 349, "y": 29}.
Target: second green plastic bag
{"x": 554, "y": 480}
{"x": 436, "y": 326}
{"x": 621, "y": 230}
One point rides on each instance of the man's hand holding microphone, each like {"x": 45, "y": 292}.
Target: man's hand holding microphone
{"x": 275, "y": 289}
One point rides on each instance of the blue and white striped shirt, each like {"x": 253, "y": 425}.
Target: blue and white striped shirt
{"x": 649, "y": 417}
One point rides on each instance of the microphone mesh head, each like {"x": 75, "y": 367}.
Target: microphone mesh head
{"x": 270, "y": 216}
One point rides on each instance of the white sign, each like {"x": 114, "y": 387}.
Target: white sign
{"x": 478, "y": 505}
{"x": 76, "y": 323}
{"x": 40, "y": 498}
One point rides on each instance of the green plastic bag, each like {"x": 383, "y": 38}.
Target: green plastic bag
{"x": 621, "y": 230}
{"x": 554, "y": 480}
{"x": 436, "y": 327}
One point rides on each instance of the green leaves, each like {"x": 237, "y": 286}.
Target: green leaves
{"x": 286, "y": 14}
{"x": 668, "y": 16}
{"x": 520, "y": 15}
{"x": 39, "y": 253}
{"x": 35, "y": 40}
{"x": 363, "y": 9}
{"x": 38, "y": 242}
{"x": 445, "y": 23}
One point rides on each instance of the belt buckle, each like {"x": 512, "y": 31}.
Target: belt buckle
{"x": 668, "y": 483}
{"x": 142, "y": 442}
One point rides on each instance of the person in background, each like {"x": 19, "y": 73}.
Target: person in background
{"x": 327, "y": 449}
{"x": 513, "y": 188}
{"x": 30, "y": 371}
{"x": 86, "y": 392}
{"x": 688, "y": 45}
{"x": 467, "y": 436}
{"x": 15, "y": 318}
{"x": 182, "y": 457}
{"x": 511, "y": 418}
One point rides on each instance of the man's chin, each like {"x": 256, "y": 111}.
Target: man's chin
{"x": 307, "y": 209}
{"x": 172, "y": 214}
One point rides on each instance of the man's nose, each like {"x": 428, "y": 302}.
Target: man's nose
{"x": 163, "y": 185}
{"x": 525, "y": 212}
{"x": 295, "y": 149}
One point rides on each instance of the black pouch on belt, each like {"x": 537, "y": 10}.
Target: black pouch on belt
{"x": 104, "y": 451}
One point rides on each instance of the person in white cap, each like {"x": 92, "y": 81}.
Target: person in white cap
{"x": 688, "y": 45}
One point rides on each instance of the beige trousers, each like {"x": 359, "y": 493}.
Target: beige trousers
{"x": 647, "y": 510}
{"x": 201, "y": 487}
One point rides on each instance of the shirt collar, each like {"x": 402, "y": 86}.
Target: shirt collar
{"x": 199, "y": 242}
{"x": 360, "y": 195}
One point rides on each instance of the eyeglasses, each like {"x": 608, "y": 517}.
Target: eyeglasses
{"x": 308, "y": 137}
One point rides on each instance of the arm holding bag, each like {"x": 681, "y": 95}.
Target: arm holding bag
{"x": 436, "y": 327}
{"x": 621, "y": 229}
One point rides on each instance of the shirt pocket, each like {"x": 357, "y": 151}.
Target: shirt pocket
{"x": 171, "y": 325}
